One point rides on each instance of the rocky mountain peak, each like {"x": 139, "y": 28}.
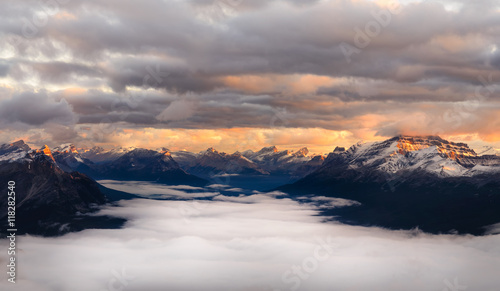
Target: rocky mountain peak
{"x": 211, "y": 150}
{"x": 164, "y": 151}
{"x": 14, "y": 151}
{"x": 20, "y": 144}
{"x": 452, "y": 150}
{"x": 45, "y": 150}
{"x": 66, "y": 148}
{"x": 339, "y": 150}
{"x": 303, "y": 152}
{"x": 271, "y": 149}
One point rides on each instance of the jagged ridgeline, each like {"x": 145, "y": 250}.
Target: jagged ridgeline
{"x": 406, "y": 182}
{"x": 403, "y": 182}
{"x": 48, "y": 199}
{"x": 269, "y": 167}
{"x": 54, "y": 187}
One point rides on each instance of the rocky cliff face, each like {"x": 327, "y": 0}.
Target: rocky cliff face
{"x": 47, "y": 198}
{"x": 430, "y": 154}
{"x": 406, "y": 182}
{"x": 295, "y": 164}
{"x": 133, "y": 164}
{"x": 100, "y": 163}
{"x": 212, "y": 162}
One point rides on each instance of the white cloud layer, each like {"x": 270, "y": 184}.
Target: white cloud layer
{"x": 248, "y": 243}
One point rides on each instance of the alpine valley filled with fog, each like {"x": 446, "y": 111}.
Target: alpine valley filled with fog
{"x": 144, "y": 221}
{"x": 249, "y": 145}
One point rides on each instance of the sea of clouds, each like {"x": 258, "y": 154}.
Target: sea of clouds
{"x": 247, "y": 242}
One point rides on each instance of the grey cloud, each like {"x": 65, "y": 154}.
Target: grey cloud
{"x": 297, "y": 42}
{"x": 177, "y": 110}
{"x": 4, "y": 69}
{"x": 426, "y": 54}
{"x": 156, "y": 75}
{"x": 59, "y": 72}
{"x": 134, "y": 118}
{"x": 60, "y": 134}
{"x": 35, "y": 109}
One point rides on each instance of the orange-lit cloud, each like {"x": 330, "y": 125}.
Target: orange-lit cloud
{"x": 270, "y": 74}
{"x": 230, "y": 140}
{"x": 287, "y": 84}
{"x": 64, "y": 15}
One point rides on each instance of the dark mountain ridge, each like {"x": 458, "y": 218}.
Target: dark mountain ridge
{"x": 408, "y": 182}
{"x": 48, "y": 199}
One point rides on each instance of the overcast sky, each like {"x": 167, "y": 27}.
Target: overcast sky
{"x": 238, "y": 74}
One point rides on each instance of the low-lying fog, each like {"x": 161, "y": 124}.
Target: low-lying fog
{"x": 246, "y": 242}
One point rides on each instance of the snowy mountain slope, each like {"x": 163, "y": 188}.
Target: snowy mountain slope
{"x": 284, "y": 162}
{"x": 46, "y": 196}
{"x": 126, "y": 164}
{"x": 99, "y": 155}
{"x": 14, "y": 151}
{"x": 212, "y": 162}
{"x": 405, "y": 153}
{"x": 69, "y": 159}
{"x": 408, "y": 182}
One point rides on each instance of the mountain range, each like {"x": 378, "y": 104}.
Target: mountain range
{"x": 407, "y": 182}
{"x": 182, "y": 167}
{"x": 400, "y": 183}
{"x": 48, "y": 199}
{"x": 56, "y": 186}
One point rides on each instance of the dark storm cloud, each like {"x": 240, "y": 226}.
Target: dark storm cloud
{"x": 60, "y": 134}
{"x": 4, "y": 69}
{"x": 96, "y": 101}
{"x": 35, "y": 109}
{"x": 135, "y": 118}
{"x": 157, "y": 75}
{"x": 59, "y": 72}
{"x": 188, "y": 50}
{"x": 495, "y": 59}
{"x": 297, "y": 43}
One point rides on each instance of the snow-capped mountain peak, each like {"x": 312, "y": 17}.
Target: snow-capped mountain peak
{"x": 164, "y": 151}
{"x": 450, "y": 149}
{"x": 66, "y": 148}
{"x": 271, "y": 149}
{"x": 339, "y": 150}
{"x": 303, "y": 152}
{"x": 45, "y": 150}
{"x": 210, "y": 150}
{"x": 99, "y": 155}
{"x": 14, "y": 151}
{"x": 20, "y": 144}
{"x": 428, "y": 153}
